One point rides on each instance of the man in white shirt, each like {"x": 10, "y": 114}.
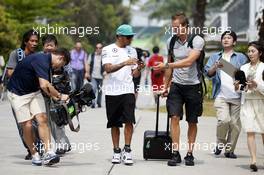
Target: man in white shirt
{"x": 227, "y": 101}
{"x": 120, "y": 62}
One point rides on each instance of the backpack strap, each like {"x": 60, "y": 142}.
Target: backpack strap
{"x": 199, "y": 63}
{"x": 190, "y": 40}
{"x": 173, "y": 41}
{"x": 171, "y": 46}
{"x": 92, "y": 63}
{"x": 20, "y": 54}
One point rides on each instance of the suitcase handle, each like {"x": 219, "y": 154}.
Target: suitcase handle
{"x": 157, "y": 119}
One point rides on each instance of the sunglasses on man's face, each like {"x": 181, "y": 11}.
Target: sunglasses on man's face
{"x": 129, "y": 36}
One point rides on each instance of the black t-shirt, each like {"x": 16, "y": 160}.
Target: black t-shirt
{"x": 25, "y": 77}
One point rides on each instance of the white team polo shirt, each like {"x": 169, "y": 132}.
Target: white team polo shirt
{"x": 121, "y": 81}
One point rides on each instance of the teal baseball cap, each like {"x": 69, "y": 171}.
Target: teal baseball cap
{"x": 125, "y": 30}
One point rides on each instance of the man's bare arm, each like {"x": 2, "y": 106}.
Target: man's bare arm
{"x": 187, "y": 62}
{"x": 110, "y": 68}
{"x": 9, "y": 72}
{"x": 49, "y": 89}
{"x": 168, "y": 77}
{"x": 137, "y": 71}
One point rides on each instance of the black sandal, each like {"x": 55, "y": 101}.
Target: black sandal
{"x": 253, "y": 167}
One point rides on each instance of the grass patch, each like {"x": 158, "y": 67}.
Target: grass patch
{"x": 208, "y": 108}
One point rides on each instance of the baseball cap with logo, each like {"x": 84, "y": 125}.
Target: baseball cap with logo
{"x": 125, "y": 30}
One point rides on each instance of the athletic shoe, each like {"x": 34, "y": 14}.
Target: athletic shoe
{"x": 127, "y": 157}
{"x": 36, "y": 160}
{"x": 28, "y": 156}
{"x": 217, "y": 150}
{"x": 116, "y": 158}
{"x": 50, "y": 158}
{"x": 176, "y": 158}
{"x": 189, "y": 159}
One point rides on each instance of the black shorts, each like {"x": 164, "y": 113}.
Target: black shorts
{"x": 120, "y": 109}
{"x": 188, "y": 95}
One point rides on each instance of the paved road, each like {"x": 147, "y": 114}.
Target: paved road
{"x": 92, "y": 149}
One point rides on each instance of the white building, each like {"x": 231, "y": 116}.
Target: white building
{"x": 140, "y": 17}
{"x": 241, "y": 16}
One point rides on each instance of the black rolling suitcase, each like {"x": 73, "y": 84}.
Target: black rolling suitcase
{"x": 157, "y": 144}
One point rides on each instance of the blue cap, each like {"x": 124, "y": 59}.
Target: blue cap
{"x": 125, "y": 30}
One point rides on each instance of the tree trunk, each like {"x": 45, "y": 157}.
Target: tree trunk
{"x": 199, "y": 14}
{"x": 261, "y": 28}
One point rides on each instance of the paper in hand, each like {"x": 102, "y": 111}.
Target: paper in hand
{"x": 228, "y": 68}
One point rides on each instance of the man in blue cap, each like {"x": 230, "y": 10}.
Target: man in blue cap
{"x": 121, "y": 63}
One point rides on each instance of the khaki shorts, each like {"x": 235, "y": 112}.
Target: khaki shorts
{"x": 27, "y": 106}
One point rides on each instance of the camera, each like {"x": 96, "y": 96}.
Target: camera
{"x": 63, "y": 112}
{"x": 241, "y": 77}
{"x": 61, "y": 81}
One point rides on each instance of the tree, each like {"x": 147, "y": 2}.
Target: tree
{"x": 195, "y": 9}
{"x": 8, "y": 36}
{"x": 260, "y": 23}
{"x": 29, "y": 13}
{"x": 166, "y": 8}
{"x": 105, "y": 14}
{"x": 199, "y": 13}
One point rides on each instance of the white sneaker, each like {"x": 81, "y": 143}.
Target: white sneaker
{"x": 36, "y": 160}
{"x": 116, "y": 158}
{"x": 127, "y": 157}
{"x": 50, "y": 158}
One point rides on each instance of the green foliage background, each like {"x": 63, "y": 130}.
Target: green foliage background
{"x": 18, "y": 16}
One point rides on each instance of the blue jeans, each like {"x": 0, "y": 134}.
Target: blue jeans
{"x": 77, "y": 77}
{"x": 97, "y": 85}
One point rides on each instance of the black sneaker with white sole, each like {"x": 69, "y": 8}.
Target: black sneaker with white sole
{"x": 189, "y": 159}
{"x": 176, "y": 158}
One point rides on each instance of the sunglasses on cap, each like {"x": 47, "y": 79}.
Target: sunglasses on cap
{"x": 128, "y": 36}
